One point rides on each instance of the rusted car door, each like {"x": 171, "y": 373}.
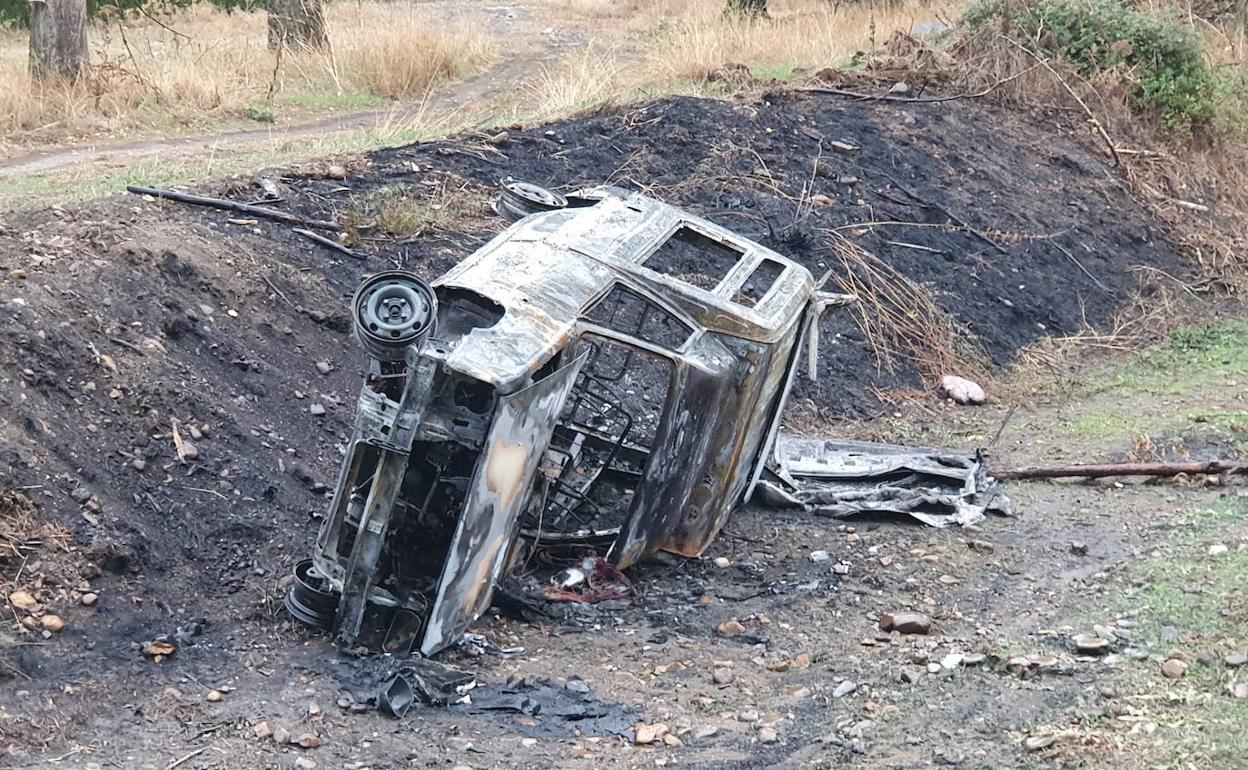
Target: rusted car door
{"x": 500, "y": 488}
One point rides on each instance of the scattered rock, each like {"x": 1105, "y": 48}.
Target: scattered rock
{"x": 336, "y": 171}
{"x": 910, "y": 676}
{"x": 308, "y": 741}
{"x": 705, "y": 731}
{"x": 730, "y": 628}
{"x": 263, "y": 730}
{"x": 188, "y": 451}
{"x": 962, "y": 390}
{"x": 324, "y": 367}
{"x": 80, "y": 495}
{"x": 89, "y": 599}
{"x": 671, "y": 740}
{"x": 722, "y": 675}
{"x": 952, "y": 660}
{"x": 1217, "y": 549}
{"x": 768, "y": 735}
{"x": 22, "y": 600}
{"x": 1079, "y": 548}
{"x": 1236, "y": 659}
{"x": 316, "y": 410}
{"x": 1091, "y": 645}
{"x": 281, "y": 735}
{"x": 1018, "y": 664}
{"x": 818, "y": 557}
{"x": 844, "y": 688}
{"x": 1173, "y": 668}
{"x": 981, "y": 546}
{"x": 749, "y": 716}
{"x": 974, "y": 659}
{"x": 1241, "y": 690}
{"x": 159, "y": 650}
{"x": 906, "y": 622}
{"x": 52, "y": 623}
{"x": 17, "y": 274}
{"x": 215, "y": 696}
{"x": 644, "y": 735}
{"x": 1038, "y": 742}
{"x": 801, "y": 660}
{"x": 722, "y": 561}
{"x": 304, "y": 763}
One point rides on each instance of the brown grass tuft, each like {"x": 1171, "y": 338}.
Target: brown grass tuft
{"x": 900, "y": 319}
{"x": 18, "y": 523}
{"x": 800, "y": 34}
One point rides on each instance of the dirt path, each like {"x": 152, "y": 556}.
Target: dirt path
{"x": 526, "y": 44}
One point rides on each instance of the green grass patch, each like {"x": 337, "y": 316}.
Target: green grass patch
{"x": 1204, "y": 355}
{"x": 352, "y": 100}
{"x": 1181, "y": 597}
{"x": 784, "y": 73}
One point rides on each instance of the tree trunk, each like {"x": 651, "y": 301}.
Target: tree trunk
{"x": 296, "y": 24}
{"x": 747, "y": 7}
{"x": 58, "y": 39}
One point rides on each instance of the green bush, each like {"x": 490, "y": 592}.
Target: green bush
{"x": 1162, "y": 55}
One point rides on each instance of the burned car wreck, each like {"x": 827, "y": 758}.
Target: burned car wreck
{"x": 608, "y": 371}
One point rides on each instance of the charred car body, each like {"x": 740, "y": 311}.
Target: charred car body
{"x": 609, "y": 372}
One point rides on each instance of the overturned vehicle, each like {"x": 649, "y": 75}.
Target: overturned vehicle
{"x": 608, "y": 371}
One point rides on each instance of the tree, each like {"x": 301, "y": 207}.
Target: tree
{"x": 296, "y": 24}
{"x": 58, "y": 39}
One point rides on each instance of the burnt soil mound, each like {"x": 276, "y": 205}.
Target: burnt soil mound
{"x": 127, "y": 320}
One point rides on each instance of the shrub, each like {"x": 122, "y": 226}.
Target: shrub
{"x": 1161, "y": 55}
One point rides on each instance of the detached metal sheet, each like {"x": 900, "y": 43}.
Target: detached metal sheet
{"x": 844, "y": 478}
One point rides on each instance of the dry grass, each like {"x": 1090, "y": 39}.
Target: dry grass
{"x": 586, "y": 79}
{"x": 806, "y": 34}
{"x": 18, "y": 524}
{"x": 901, "y": 320}
{"x": 216, "y": 66}
{"x": 404, "y": 211}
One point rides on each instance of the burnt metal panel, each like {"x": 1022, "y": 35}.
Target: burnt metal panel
{"x": 501, "y": 485}
{"x": 680, "y": 453}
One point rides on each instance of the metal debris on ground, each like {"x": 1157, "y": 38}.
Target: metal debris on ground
{"x": 842, "y": 478}
{"x": 608, "y": 373}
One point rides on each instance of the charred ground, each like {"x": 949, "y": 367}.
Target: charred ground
{"x": 127, "y": 315}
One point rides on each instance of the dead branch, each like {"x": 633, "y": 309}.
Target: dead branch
{"x": 1125, "y": 469}
{"x": 229, "y": 205}
{"x": 1113, "y": 148}
{"x": 328, "y": 243}
{"x": 1071, "y": 256}
{"x": 916, "y": 99}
